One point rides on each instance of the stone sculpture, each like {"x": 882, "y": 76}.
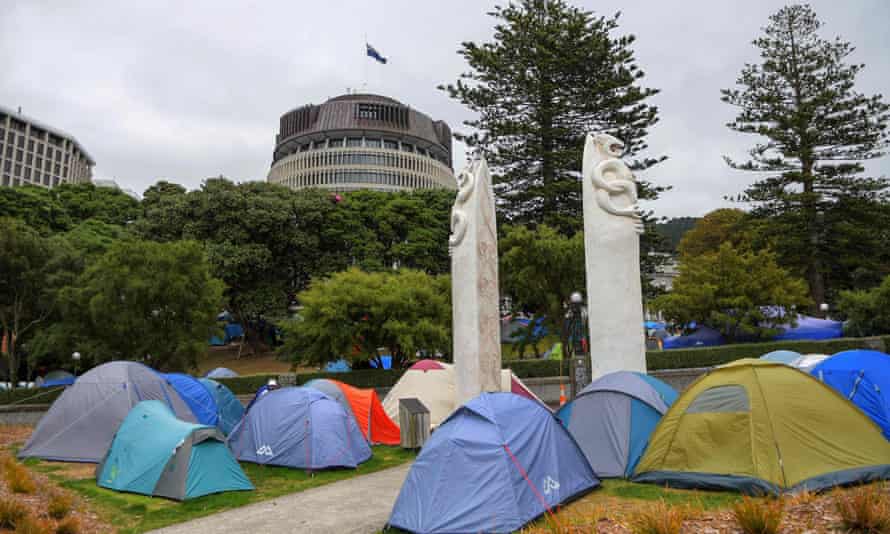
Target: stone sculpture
{"x": 474, "y": 285}
{"x": 612, "y": 224}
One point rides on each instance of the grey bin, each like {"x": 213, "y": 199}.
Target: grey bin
{"x": 414, "y": 423}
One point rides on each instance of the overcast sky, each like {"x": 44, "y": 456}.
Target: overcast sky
{"x": 188, "y": 90}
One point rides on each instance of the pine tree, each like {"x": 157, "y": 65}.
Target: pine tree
{"x": 551, "y": 74}
{"x": 818, "y": 129}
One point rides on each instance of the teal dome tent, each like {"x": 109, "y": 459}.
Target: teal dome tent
{"x": 154, "y": 453}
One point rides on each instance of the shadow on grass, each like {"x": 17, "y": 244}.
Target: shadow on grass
{"x": 131, "y": 513}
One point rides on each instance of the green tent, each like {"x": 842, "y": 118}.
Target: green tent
{"x": 154, "y": 453}
{"x": 761, "y": 427}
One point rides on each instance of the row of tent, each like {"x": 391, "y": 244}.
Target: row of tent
{"x": 757, "y": 426}
{"x": 180, "y": 437}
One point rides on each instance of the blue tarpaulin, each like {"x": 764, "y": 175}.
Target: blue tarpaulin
{"x": 495, "y": 464}
{"x": 339, "y": 366}
{"x": 386, "y": 360}
{"x": 703, "y": 337}
{"x": 812, "y": 328}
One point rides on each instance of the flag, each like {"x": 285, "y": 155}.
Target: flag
{"x": 374, "y": 53}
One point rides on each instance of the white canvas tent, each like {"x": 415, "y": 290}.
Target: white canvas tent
{"x": 432, "y": 382}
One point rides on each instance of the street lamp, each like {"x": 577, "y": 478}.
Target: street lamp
{"x": 76, "y": 357}
{"x": 579, "y": 366}
{"x": 824, "y": 309}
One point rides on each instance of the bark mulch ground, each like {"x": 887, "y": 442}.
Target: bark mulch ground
{"x": 38, "y": 501}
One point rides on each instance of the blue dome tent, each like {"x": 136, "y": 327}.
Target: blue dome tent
{"x": 612, "y": 418}
{"x": 788, "y": 357}
{"x": 495, "y": 464}
{"x": 221, "y": 372}
{"x": 196, "y": 396}
{"x": 154, "y": 453}
{"x": 863, "y": 376}
{"x": 229, "y": 409}
{"x": 300, "y": 428}
{"x": 337, "y": 366}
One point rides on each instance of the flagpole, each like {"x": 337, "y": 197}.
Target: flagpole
{"x": 365, "y": 68}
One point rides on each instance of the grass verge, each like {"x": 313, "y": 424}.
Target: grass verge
{"x": 131, "y": 513}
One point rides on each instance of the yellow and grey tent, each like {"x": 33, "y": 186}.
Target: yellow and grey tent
{"x": 761, "y": 427}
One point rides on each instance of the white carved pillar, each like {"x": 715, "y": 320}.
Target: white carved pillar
{"x": 612, "y": 228}
{"x": 474, "y": 285}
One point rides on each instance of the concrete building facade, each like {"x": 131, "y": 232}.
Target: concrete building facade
{"x": 34, "y": 153}
{"x": 362, "y": 141}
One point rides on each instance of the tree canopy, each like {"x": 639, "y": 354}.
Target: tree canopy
{"x": 815, "y": 129}
{"x": 745, "y": 295}
{"x": 354, "y": 314}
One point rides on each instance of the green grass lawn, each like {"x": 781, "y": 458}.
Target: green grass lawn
{"x": 131, "y": 513}
{"x": 706, "y": 500}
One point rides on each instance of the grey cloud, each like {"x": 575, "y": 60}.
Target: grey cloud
{"x": 188, "y": 90}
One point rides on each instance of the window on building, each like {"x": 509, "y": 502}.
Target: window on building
{"x": 57, "y": 169}
{"x": 6, "y": 180}
{"x": 17, "y": 170}
{"x": 10, "y": 137}
{"x": 21, "y": 142}
{"x": 373, "y": 143}
{"x": 2, "y": 131}
{"x": 40, "y": 148}
{"x": 354, "y": 141}
{"x": 7, "y": 166}
{"x": 31, "y": 145}
{"x": 29, "y": 159}
{"x": 39, "y": 163}
{"x": 19, "y": 155}
{"x": 335, "y": 143}
{"x": 18, "y": 125}
{"x": 392, "y": 145}
{"x": 66, "y": 158}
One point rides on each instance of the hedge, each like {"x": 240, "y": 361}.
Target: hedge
{"x": 30, "y": 396}
{"x": 710, "y": 356}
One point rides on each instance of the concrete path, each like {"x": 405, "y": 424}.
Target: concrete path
{"x": 358, "y": 505}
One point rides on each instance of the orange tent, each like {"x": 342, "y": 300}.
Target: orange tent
{"x": 364, "y": 405}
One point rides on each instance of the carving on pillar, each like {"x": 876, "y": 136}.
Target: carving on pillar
{"x": 612, "y": 228}
{"x": 612, "y": 178}
{"x": 474, "y": 285}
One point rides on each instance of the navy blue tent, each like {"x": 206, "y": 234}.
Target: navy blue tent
{"x": 863, "y": 376}
{"x": 812, "y": 328}
{"x": 703, "y": 337}
{"x": 495, "y": 464}
{"x": 300, "y": 428}
{"x": 196, "y": 396}
{"x": 232, "y": 331}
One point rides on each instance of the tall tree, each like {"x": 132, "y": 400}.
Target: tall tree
{"x": 802, "y": 99}
{"x": 25, "y": 287}
{"x": 552, "y": 73}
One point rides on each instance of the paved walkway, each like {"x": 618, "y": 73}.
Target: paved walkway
{"x": 358, "y": 505}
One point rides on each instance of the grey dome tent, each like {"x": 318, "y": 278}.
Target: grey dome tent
{"x": 81, "y": 423}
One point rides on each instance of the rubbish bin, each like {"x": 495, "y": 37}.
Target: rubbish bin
{"x": 414, "y": 423}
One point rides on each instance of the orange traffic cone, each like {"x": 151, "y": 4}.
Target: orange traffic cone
{"x": 562, "y": 394}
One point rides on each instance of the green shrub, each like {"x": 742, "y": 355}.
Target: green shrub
{"x": 535, "y": 368}
{"x": 30, "y": 396}
{"x": 711, "y": 356}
